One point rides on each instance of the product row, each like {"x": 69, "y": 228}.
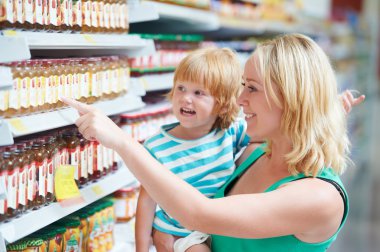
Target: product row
{"x": 28, "y": 168}
{"x": 38, "y": 84}
{"x": 87, "y": 230}
{"x": 93, "y": 16}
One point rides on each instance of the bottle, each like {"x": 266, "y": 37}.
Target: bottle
{"x": 3, "y": 179}
{"x": 83, "y": 164}
{"x": 41, "y": 164}
{"x": 7, "y": 17}
{"x": 53, "y": 15}
{"x": 39, "y": 14}
{"x": 98, "y": 160}
{"x": 29, "y": 14}
{"x": 22, "y": 178}
{"x": 86, "y": 16}
{"x": 20, "y": 14}
{"x": 11, "y": 165}
{"x": 77, "y": 16}
{"x": 73, "y": 148}
{"x": 30, "y": 160}
{"x": 51, "y": 151}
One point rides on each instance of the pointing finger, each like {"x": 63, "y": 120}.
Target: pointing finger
{"x": 81, "y": 107}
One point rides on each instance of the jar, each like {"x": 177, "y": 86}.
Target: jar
{"x": 34, "y": 244}
{"x": 18, "y": 246}
{"x": 125, "y": 203}
{"x": 72, "y": 236}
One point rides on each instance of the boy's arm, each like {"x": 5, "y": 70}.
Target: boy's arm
{"x": 146, "y": 208}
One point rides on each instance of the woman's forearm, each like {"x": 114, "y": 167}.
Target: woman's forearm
{"x": 174, "y": 195}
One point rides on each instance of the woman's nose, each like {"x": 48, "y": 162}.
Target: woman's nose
{"x": 242, "y": 99}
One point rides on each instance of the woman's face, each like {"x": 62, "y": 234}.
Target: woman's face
{"x": 263, "y": 120}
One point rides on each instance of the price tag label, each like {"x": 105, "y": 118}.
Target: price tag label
{"x": 65, "y": 187}
{"x": 98, "y": 190}
{"x": 10, "y": 33}
{"x": 89, "y": 39}
{"x": 18, "y": 125}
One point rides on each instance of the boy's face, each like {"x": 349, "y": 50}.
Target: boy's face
{"x": 193, "y": 106}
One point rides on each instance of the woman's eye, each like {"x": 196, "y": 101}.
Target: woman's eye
{"x": 252, "y": 89}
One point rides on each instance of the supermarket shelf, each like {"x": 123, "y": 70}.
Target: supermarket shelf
{"x": 27, "y": 224}
{"x": 155, "y": 82}
{"x": 13, "y": 48}
{"x": 142, "y": 12}
{"x": 25, "y": 125}
{"x": 50, "y": 41}
{"x": 175, "y": 19}
{"x": 150, "y": 109}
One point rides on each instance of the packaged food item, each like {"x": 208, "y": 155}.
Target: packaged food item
{"x": 125, "y": 203}
{"x": 72, "y": 236}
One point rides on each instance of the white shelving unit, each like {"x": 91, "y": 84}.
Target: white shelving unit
{"x": 154, "y": 82}
{"x": 30, "y": 124}
{"x": 35, "y": 220}
{"x": 20, "y": 45}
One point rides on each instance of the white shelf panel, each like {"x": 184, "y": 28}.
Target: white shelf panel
{"x": 142, "y": 12}
{"x": 46, "y": 41}
{"x": 25, "y": 125}
{"x": 155, "y": 82}
{"x": 35, "y": 220}
{"x": 151, "y": 108}
{"x": 13, "y": 49}
{"x": 206, "y": 19}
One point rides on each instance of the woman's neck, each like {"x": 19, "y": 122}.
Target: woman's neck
{"x": 276, "y": 159}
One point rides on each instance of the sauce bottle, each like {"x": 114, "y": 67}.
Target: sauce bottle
{"x": 39, "y": 14}
{"x": 11, "y": 165}
{"x": 77, "y": 16}
{"x": 73, "y": 147}
{"x": 22, "y": 178}
{"x": 3, "y": 179}
{"x": 29, "y": 14}
{"x": 7, "y": 17}
{"x": 50, "y": 149}
{"x": 41, "y": 164}
{"x": 86, "y": 16}
{"x": 30, "y": 160}
{"x": 83, "y": 164}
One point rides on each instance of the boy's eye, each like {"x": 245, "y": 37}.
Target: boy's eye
{"x": 199, "y": 92}
{"x": 181, "y": 88}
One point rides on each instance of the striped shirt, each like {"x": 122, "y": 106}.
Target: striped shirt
{"x": 205, "y": 163}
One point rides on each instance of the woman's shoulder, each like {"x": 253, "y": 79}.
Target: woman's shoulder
{"x": 249, "y": 151}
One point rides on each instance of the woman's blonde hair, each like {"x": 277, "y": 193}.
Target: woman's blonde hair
{"x": 313, "y": 115}
{"x": 219, "y": 70}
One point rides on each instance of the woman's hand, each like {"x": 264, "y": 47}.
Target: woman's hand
{"x": 94, "y": 125}
{"x": 349, "y": 101}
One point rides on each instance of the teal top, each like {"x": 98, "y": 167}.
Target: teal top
{"x": 275, "y": 244}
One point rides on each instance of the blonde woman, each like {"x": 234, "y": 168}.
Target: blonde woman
{"x": 286, "y": 195}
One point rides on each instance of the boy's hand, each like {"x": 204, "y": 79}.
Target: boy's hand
{"x": 163, "y": 242}
{"x": 349, "y": 101}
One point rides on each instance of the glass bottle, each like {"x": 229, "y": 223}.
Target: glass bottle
{"x": 41, "y": 164}
{"x": 7, "y": 17}
{"x": 30, "y": 160}
{"x": 22, "y": 178}
{"x": 77, "y": 15}
{"x": 39, "y": 14}
{"x": 19, "y": 13}
{"x": 86, "y": 16}
{"x": 50, "y": 149}
{"x": 29, "y": 14}
{"x": 11, "y": 165}
{"x": 83, "y": 164}
{"x": 73, "y": 148}
{"x": 3, "y": 179}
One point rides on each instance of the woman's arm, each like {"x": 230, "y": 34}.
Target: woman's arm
{"x": 146, "y": 208}
{"x": 301, "y": 207}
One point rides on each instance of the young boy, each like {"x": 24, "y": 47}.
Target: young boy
{"x": 202, "y": 146}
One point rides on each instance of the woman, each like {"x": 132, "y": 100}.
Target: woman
{"x": 285, "y": 196}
